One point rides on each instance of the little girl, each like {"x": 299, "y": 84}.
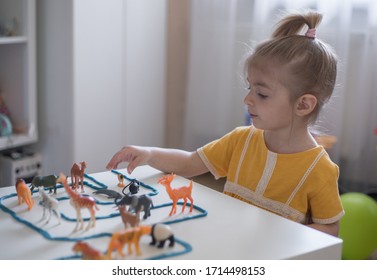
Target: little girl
{"x": 275, "y": 163}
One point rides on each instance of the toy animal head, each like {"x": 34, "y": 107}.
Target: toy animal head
{"x": 79, "y": 246}
{"x": 62, "y": 178}
{"x": 20, "y": 181}
{"x": 42, "y": 192}
{"x": 167, "y": 179}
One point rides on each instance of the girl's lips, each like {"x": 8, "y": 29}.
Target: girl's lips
{"x": 252, "y": 115}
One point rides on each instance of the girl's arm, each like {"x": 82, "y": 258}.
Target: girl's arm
{"x": 180, "y": 162}
{"x": 332, "y": 229}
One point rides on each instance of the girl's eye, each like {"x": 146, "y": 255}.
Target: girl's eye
{"x": 262, "y": 95}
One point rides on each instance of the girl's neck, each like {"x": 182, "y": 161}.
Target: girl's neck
{"x": 289, "y": 141}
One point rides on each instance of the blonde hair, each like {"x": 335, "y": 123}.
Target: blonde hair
{"x": 309, "y": 64}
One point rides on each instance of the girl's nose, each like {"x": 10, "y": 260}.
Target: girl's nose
{"x": 248, "y": 100}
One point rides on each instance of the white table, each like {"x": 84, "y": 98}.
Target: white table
{"x": 231, "y": 229}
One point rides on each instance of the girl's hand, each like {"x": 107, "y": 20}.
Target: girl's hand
{"x": 134, "y": 155}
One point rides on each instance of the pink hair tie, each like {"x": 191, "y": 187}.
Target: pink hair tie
{"x": 311, "y": 33}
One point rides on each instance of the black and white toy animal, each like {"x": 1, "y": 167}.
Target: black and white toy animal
{"x": 160, "y": 234}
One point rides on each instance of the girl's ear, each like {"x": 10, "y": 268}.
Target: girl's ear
{"x": 305, "y": 104}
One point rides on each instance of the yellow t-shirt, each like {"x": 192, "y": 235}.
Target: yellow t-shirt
{"x": 302, "y": 186}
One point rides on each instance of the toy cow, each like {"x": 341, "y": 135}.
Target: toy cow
{"x": 161, "y": 233}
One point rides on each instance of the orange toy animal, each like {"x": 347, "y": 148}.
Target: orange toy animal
{"x": 176, "y": 194}
{"x": 77, "y": 175}
{"x": 79, "y": 201}
{"x": 88, "y": 252}
{"x": 121, "y": 181}
{"x": 127, "y": 236}
{"x": 24, "y": 194}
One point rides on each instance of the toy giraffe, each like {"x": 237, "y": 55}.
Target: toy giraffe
{"x": 176, "y": 194}
{"x": 79, "y": 202}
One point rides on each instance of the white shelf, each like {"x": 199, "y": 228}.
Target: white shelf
{"x": 18, "y": 72}
{"x": 16, "y": 140}
{"x": 13, "y": 40}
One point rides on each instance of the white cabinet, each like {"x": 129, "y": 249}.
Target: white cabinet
{"x": 18, "y": 70}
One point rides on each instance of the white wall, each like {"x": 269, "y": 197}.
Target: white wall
{"x": 102, "y": 77}
{"x": 97, "y": 82}
{"x": 55, "y": 84}
{"x": 144, "y": 71}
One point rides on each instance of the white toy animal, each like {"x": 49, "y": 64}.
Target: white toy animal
{"x": 160, "y": 233}
{"x": 49, "y": 203}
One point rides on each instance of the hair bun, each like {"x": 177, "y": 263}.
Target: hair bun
{"x": 293, "y": 24}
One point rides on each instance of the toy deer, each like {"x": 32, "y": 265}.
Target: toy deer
{"x": 176, "y": 194}
{"x": 24, "y": 194}
{"x": 79, "y": 202}
{"x": 77, "y": 175}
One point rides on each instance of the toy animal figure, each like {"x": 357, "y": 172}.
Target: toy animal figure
{"x": 161, "y": 233}
{"x": 79, "y": 202}
{"x": 121, "y": 181}
{"x": 88, "y": 252}
{"x": 77, "y": 175}
{"x": 24, "y": 194}
{"x": 137, "y": 203}
{"x": 127, "y": 237}
{"x": 133, "y": 186}
{"x": 176, "y": 194}
{"x": 109, "y": 193}
{"x": 49, "y": 203}
{"x": 128, "y": 218}
{"x": 49, "y": 181}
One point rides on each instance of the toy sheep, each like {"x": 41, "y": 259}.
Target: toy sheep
{"x": 160, "y": 233}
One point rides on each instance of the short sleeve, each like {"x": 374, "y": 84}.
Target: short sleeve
{"x": 326, "y": 206}
{"x": 217, "y": 155}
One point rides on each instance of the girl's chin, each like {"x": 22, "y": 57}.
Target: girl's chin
{"x": 255, "y": 122}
